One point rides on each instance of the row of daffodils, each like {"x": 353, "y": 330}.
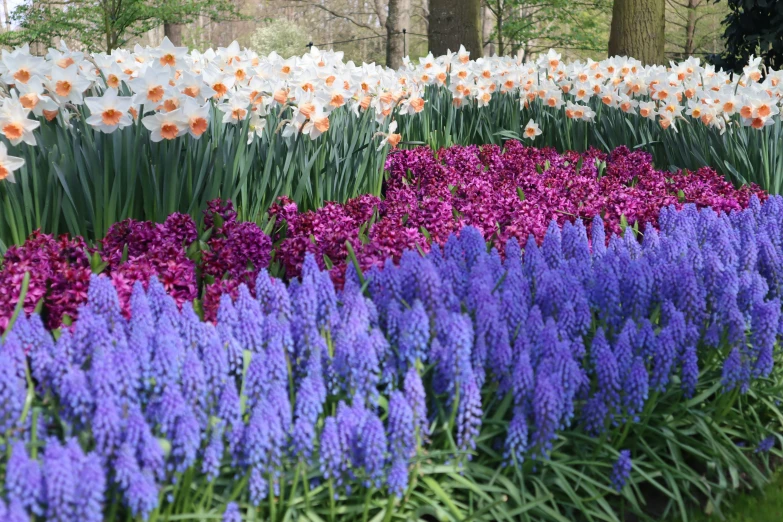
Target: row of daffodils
{"x": 170, "y": 90}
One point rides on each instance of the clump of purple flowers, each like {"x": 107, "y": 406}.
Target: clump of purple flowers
{"x": 513, "y": 192}
{"x": 135, "y": 251}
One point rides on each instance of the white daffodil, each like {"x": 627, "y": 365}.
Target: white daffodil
{"x": 219, "y": 82}
{"x": 109, "y": 112}
{"x": 531, "y": 130}
{"x": 166, "y": 125}
{"x": 8, "y": 164}
{"x": 150, "y": 86}
{"x": 170, "y": 55}
{"x": 193, "y": 85}
{"x": 648, "y": 110}
{"x": 236, "y": 109}
{"x": 14, "y": 123}
{"x": 67, "y": 85}
{"x": 21, "y": 66}
{"x": 32, "y": 97}
{"x": 256, "y": 127}
{"x": 317, "y": 122}
{"x": 391, "y": 137}
{"x": 198, "y": 115}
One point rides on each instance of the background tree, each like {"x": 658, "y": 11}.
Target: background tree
{"x": 638, "y": 29}
{"x": 752, "y": 27}
{"x": 453, "y": 23}
{"x": 535, "y": 25}
{"x": 399, "y": 18}
{"x": 693, "y": 27}
{"x": 103, "y": 25}
{"x": 281, "y": 36}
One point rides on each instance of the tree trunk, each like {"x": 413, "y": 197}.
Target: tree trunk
{"x": 690, "y": 27}
{"x": 638, "y": 30}
{"x": 453, "y": 23}
{"x": 399, "y": 18}
{"x": 7, "y": 18}
{"x": 487, "y": 26}
{"x": 174, "y": 32}
{"x": 499, "y": 24}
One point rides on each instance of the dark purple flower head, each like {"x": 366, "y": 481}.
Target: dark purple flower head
{"x": 372, "y": 449}
{"x": 330, "y": 452}
{"x": 91, "y": 489}
{"x": 397, "y": 481}
{"x": 60, "y": 481}
{"x": 232, "y": 513}
{"x": 12, "y": 392}
{"x": 24, "y": 479}
{"x": 516, "y": 438}
{"x": 414, "y": 335}
{"x": 766, "y": 445}
{"x": 547, "y": 411}
{"x": 621, "y": 470}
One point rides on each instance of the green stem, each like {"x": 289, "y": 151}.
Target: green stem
{"x": 19, "y": 304}
{"x": 331, "y": 500}
{"x": 272, "y": 503}
{"x": 626, "y": 429}
{"x": 294, "y": 484}
{"x": 306, "y": 484}
{"x": 389, "y": 509}
{"x": 367, "y": 498}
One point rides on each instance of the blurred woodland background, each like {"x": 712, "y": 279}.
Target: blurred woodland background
{"x": 578, "y": 28}
{"x": 380, "y": 31}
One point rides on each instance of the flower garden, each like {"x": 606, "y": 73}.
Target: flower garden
{"x": 236, "y": 287}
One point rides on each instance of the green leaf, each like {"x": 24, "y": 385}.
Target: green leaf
{"x": 18, "y": 309}
{"x": 354, "y": 261}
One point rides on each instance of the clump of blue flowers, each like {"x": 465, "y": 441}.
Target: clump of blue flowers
{"x": 309, "y": 386}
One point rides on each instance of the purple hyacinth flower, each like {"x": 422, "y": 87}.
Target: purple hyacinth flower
{"x": 621, "y": 470}
{"x": 232, "y": 513}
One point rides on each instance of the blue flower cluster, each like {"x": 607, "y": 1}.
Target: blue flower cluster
{"x": 353, "y": 384}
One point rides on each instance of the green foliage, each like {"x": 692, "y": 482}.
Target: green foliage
{"x": 759, "y": 506}
{"x": 80, "y": 180}
{"x": 102, "y": 25}
{"x": 742, "y": 154}
{"x": 281, "y": 36}
{"x": 752, "y": 27}
{"x": 536, "y": 25}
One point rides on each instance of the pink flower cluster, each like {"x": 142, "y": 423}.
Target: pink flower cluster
{"x": 59, "y": 276}
{"x": 515, "y": 191}
{"x": 133, "y": 251}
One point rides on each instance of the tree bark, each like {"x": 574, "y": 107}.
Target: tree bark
{"x": 174, "y": 32}
{"x": 399, "y": 18}
{"x": 7, "y": 18}
{"x": 499, "y": 23}
{"x": 487, "y": 26}
{"x": 453, "y": 23}
{"x": 638, "y": 30}
{"x": 690, "y": 27}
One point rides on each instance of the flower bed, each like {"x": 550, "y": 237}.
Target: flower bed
{"x": 228, "y": 123}
{"x": 185, "y": 265}
{"x": 564, "y": 383}
{"x": 506, "y": 193}
{"x": 511, "y": 192}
